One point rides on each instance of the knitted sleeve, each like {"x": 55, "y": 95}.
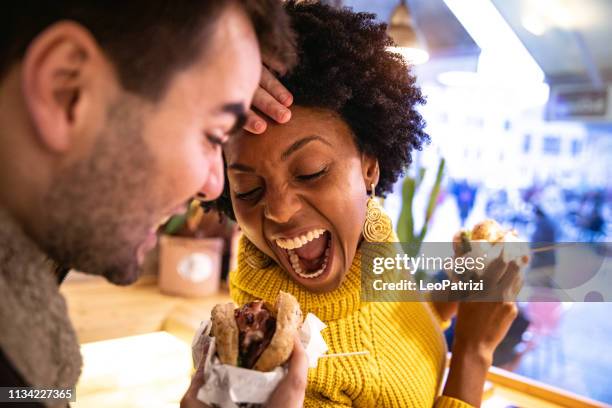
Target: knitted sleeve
{"x": 448, "y": 402}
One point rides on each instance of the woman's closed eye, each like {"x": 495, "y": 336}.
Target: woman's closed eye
{"x": 312, "y": 176}
{"x": 249, "y": 195}
{"x": 255, "y": 193}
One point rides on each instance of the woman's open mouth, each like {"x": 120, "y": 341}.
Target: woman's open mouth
{"x": 308, "y": 254}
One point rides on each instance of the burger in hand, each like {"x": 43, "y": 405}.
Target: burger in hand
{"x": 257, "y": 335}
{"x": 489, "y": 234}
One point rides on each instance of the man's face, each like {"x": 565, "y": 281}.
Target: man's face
{"x": 103, "y": 208}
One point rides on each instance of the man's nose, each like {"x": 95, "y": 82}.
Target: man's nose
{"x": 213, "y": 185}
{"x": 281, "y": 205}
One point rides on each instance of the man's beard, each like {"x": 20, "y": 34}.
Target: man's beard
{"x": 100, "y": 209}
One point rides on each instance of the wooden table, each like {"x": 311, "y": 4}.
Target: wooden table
{"x": 153, "y": 369}
{"x": 101, "y": 311}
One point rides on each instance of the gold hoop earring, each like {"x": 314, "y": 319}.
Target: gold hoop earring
{"x": 377, "y": 226}
{"x": 254, "y": 257}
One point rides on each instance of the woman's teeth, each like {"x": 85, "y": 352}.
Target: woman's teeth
{"x": 298, "y": 242}
{"x": 294, "y": 259}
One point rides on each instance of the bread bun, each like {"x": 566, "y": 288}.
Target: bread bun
{"x": 286, "y": 317}
{"x": 288, "y": 322}
{"x": 225, "y": 331}
{"x": 488, "y": 230}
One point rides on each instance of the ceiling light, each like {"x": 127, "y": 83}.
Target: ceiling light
{"x": 404, "y": 33}
{"x": 534, "y": 24}
{"x": 459, "y": 78}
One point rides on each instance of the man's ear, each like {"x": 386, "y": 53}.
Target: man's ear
{"x": 56, "y": 70}
{"x": 370, "y": 169}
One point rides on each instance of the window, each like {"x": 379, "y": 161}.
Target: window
{"x": 551, "y": 145}
{"x": 576, "y": 147}
{"x": 526, "y": 143}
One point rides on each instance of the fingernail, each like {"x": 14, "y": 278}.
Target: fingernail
{"x": 285, "y": 98}
{"x": 284, "y": 115}
{"x": 258, "y": 125}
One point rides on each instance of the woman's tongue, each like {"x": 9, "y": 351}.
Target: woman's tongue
{"x": 311, "y": 254}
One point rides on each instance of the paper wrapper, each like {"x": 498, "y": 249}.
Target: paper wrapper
{"x": 513, "y": 250}
{"x": 227, "y": 386}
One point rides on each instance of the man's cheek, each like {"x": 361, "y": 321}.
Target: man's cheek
{"x": 182, "y": 176}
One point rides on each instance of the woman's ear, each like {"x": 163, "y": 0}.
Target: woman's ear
{"x": 370, "y": 169}
{"x": 56, "y": 74}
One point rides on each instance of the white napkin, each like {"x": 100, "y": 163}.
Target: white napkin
{"x": 311, "y": 338}
{"x": 513, "y": 250}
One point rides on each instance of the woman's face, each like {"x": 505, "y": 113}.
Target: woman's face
{"x": 299, "y": 193}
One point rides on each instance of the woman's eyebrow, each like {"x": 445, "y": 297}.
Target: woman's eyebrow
{"x": 290, "y": 150}
{"x": 301, "y": 143}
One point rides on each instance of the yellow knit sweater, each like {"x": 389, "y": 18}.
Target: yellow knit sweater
{"x": 407, "y": 352}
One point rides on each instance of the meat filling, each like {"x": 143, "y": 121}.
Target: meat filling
{"x": 256, "y": 327}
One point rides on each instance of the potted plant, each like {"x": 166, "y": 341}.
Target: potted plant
{"x": 406, "y": 230}
{"x": 191, "y": 249}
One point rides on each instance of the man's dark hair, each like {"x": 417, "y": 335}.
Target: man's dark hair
{"x": 147, "y": 40}
{"x": 344, "y": 66}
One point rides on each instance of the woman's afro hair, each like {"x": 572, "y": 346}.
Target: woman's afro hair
{"x": 344, "y": 66}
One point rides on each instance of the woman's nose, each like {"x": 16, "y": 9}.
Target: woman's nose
{"x": 281, "y": 205}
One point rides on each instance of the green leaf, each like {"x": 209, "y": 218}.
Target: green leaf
{"x": 175, "y": 223}
{"x": 420, "y": 176}
{"x": 405, "y": 224}
{"x": 435, "y": 192}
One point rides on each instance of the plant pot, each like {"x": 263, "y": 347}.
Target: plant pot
{"x": 189, "y": 267}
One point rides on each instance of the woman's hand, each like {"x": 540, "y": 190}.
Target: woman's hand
{"x": 446, "y": 310}
{"x": 288, "y": 394}
{"x": 480, "y": 327}
{"x": 501, "y": 282}
{"x": 272, "y": 99}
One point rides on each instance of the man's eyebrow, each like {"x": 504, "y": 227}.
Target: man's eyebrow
{"x": 241, "y": 167}
{"x": 301, "y": 143}
{"x": 238, "y": 110}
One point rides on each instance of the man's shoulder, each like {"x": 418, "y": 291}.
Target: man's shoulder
{"x": 10, "y": 377}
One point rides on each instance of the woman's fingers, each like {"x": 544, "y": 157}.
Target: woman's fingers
{"x": 496, "y": 269}
{"x": 510, "y": 284}
{"x": 481, "y": 326}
